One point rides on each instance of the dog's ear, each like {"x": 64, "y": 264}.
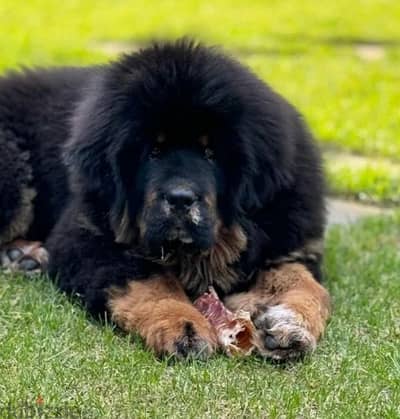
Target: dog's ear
{"x": 100, "y": 148}
{"x": 261, "y": 161}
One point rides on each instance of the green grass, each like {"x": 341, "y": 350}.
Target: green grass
{"x": 50, "y": 348}
{"x": 337, "y": 61}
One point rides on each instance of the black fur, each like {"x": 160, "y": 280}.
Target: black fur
{"x": 264, "y": 173}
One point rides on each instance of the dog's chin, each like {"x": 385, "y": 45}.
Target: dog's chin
{"x": 178, "y": 245}
{"x": 179, "y": 236}
{"x": 186, "y": 246}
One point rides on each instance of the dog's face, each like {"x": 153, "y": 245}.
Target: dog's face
{"x": 175, "y": 194}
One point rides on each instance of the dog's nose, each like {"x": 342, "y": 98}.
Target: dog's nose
{"x": 181, "y": 198}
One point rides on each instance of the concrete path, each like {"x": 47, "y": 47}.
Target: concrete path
{"x": 346, "y": 212}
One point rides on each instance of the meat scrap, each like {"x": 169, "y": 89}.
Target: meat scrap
{"x": 235, "y": 331}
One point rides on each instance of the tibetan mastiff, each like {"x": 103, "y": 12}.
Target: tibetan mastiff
{"x": 140, "y": 183}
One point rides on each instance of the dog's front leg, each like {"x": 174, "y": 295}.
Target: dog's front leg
{"x": 158, "y": 309}
{"x": 289, "y": 308}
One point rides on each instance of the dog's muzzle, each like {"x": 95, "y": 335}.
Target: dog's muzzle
{"x": 181, "y": 206}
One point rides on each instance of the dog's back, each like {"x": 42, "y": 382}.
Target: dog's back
{"x": 35, "y": 107}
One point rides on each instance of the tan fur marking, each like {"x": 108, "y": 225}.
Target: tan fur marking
{"x": 159, "y": 310}
{"x": 123, "y": 230}
{"x": 310, "y": 251}
{"x": 23, "y": 218}
{"x": 161, "y": 139}
{"x": 204, "y": 141}
{"x": 230, "y": 244}
{"x": 210, "y": 201}
{"x": 149, "y": 200}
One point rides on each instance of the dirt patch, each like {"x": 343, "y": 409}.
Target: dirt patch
{"x": 115, "y": 47}
{"x": 370, "y": 52}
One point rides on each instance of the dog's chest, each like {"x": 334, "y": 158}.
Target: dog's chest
{"x": 197, "y": 277}
{"x": 217, "y": 267}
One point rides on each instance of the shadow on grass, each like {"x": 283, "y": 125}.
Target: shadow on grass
{"x": 339, "y": 41}
{"x": 291, "y": 44}
{"x": 115, "y": 47}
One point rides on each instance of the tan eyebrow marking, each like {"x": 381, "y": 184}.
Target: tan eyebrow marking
{"x": 204, "y": 141}
{"x": 161, "y": 139}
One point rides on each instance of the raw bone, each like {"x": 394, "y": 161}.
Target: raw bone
{"x": 235, "y": 331}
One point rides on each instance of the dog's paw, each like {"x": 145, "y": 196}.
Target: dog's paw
{"x": 182, "y": 332}
{"x": 25, "y": 256}
{"x": 283, "y": 334}
{"x": 192, "y": 343}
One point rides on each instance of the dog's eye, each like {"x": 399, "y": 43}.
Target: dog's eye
{"x": 155, "y": 153}
{"x": 209, "y": 154}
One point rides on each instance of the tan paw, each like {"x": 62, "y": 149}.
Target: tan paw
{"x": 180, "y": 330}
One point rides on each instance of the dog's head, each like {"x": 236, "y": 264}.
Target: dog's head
{"x": 175, "y": 142}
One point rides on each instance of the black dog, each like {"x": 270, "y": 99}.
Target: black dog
{"x": 153, "y": 177}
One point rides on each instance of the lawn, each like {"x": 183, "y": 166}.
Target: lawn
{"x": 52, "y": 351}
{"x": 338, "y": 62}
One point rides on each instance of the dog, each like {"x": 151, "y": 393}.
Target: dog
{"x": 139, "y": 183}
